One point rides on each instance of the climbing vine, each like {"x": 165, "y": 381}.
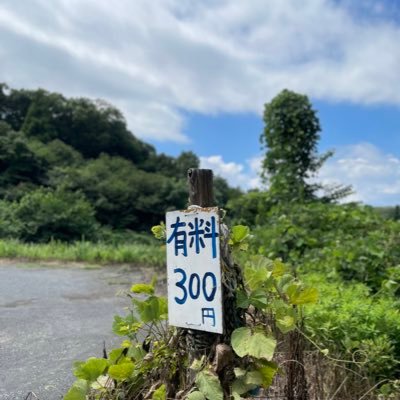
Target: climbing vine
{"x": 153, "y": 361}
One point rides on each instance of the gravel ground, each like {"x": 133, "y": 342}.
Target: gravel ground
{"x": 51, "y": 316}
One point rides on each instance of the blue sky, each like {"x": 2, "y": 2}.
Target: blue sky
{"x": 194, "y": 75}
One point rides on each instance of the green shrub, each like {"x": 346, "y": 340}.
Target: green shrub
{"x": 354, "y": 325}
{"x": 59, "y": 215}
{"x": 351, "y": 240}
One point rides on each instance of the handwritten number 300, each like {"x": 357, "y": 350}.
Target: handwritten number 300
{"x": 194, "y": 286}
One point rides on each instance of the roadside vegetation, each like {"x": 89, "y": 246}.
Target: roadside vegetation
{"x": 97, "y": 253}
{"x": 76, "y": 185}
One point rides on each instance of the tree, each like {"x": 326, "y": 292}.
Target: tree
{"x": 123, "y": 196}
{"x": 291, "y": 136}
{"x": 45, "y": 214}
{"x": 14, "y": 105}
{"x": 91, "y": 127}
{"x": 18, "y": 164}
{"x": 396, "y": 213}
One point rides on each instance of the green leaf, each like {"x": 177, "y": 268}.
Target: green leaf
{"x": 286, "y": 323}
{"x": 267, "y": 371}
{"x": 149, "y": 309}
{"x": 91, "y": 369}
{"x": 303, "y": 296}
{"x": 254, "y": 378}
{"x": 153, "y": 309}
{"x": 258, "y": 298}
{"x": 208, "y": 384}
{"x": 195, "y": 396}
{"x": 163, "y": 306}
{"x": 278, "y": 268}
{"x": 239, "y": 233}
{"x": 256, "y": 277}
{"x": 239, "y": 386}
{"x": 121, "y": 372}
{"x": 160, "y": 393}
{"x": 115, "y": 356}
{"x": 242, "y": 301}
{"x": 236, "y": 396}
{"x": 136, "y": 352}
{"x": 159, "y": 231}
{"x": 256, "y": 344}
{"x": 125, "y": 326}
{"x": 78, "y": 390}
{"x": 246, "y": 381}
{"x": 142, "y": 288}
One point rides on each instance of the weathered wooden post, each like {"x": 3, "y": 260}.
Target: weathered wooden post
{"x": 211, "y": 345}
{"x": 202, "y": 279}
{"x": 201, "y": 193}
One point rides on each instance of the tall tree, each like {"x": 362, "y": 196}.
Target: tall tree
{"x": 291, "y": 137}
{"x": 396, "y": 213}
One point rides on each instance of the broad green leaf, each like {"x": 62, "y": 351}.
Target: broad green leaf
{"x": 304, "y": 296}
{"x": 195, "y": 396}
{"x": 258, "y": 298}
{"x": 208, "y": 384}
{"x": 239, "y": 386}
{"x": 284, "y": 281}
{"x": 254, "y": 378}
{"x": 142, "y": 288}
{"x": 286, "y": 323}
{"x": 149, "y": 309}
{"x": 256, "y": 344}
{"x": 115, "y": 356}
{"x": 239, "y": 233}
{"x": 278, "y": 269}
{"x": 91, "y": 369}
{"x": 78, "y": 390}
{"x": 292, "y": 290}
{"x": 160, "y": 393}
{"x": 246, "y": 381}
{"x": 256, "y": 277}
{"x": 236, "y": 396}
{"x": 267, "y": 371}
{"x": 121, "y": 372}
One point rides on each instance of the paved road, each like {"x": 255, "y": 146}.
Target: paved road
{"x": 52, "y": 316}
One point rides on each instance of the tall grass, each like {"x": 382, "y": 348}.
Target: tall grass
{"x": 102, "y": 253}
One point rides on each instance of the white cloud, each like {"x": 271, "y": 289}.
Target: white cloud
{"x": 374, "y": 174}
{"x": 245, "y": 176}
{"x": 156, "y": 58}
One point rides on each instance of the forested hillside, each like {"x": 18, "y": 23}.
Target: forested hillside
{"x": 71, "y": 169}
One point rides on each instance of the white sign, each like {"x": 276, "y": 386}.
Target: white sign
{"x": 194, "y": 270}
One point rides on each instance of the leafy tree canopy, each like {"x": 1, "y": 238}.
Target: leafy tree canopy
{"x": 291, "y": 137}
{"x": 18, "y": 164}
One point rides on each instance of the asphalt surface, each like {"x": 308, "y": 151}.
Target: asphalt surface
{"x": 52, "y": 316}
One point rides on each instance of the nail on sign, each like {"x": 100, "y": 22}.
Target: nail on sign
{"x": 194, "y": 270}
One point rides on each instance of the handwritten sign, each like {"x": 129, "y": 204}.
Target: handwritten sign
{"x": 194, "y": 270}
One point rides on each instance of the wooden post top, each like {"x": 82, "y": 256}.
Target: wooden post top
{"x": 200, "y": 187}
